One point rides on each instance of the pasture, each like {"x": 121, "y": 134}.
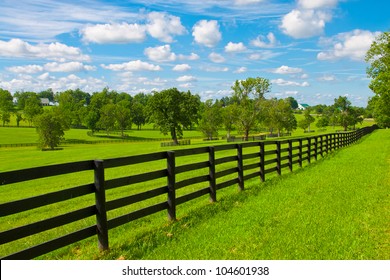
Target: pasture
{"x": 150, "y": 227}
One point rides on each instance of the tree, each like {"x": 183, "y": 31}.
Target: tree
{"x": 138, "y": 109}
{"x": 342, "y": 106}
{"x": 379, "y": 71}
{"x": 211, "y": 119}
{"x": 107, "y": 117}
{"x": 71, "y": 103}
{"x": 247, "y": 95}
{"x": 172, "y": 110}
{"x": 50, "y": 127}
{"x": 32, "y": 107}
{"x": 278, "y": 114}
{"x": 5, "y": 106}
{"x": 293, "y": 103}
{"x": 123, "y": 115}
{"x": 306, "y": 121}
{"x": 229, "y": 117}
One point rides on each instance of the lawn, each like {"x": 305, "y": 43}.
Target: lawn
{"x": 325, "y": 211}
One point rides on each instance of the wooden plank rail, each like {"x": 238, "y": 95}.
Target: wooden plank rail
{"x": 244, "y": 164}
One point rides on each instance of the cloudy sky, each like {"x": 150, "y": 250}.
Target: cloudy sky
{"x": 312, "y": 50}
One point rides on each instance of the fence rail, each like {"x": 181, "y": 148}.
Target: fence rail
{"x": 271, "y": 156}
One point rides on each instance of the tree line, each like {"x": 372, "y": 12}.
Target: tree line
{"x": 172, "y": 111}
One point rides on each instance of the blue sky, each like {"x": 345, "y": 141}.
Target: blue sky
{"x": 312, "y": 50}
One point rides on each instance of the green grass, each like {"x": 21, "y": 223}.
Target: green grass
{"x": 335, "y": 209}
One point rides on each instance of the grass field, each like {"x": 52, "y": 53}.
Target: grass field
{"x": 326, "y": 211}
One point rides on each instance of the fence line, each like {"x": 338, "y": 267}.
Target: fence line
{"x": 265, "y": 161}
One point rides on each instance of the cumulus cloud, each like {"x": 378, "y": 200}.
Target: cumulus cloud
{"x": 287, "y": 70}
{"x": 163, "y": 26}
{"x": 160, "y": 54}
{"x": 192, "y": 56}
{"x": 214, "y": 69}
{"x": 207, "y": 33}
{"x": 27, "y": 69}
{"x": 350, "y": 45}
{"x": 73, "y": 66}
{"x": 261, "y": 41}
{"x": 235, "y": 47}
{"x": 282, "y": 82}
{"x": 304, "y": 23}
{"x": 135, "y": 65}
{"x": 114, "y": 33}
{"x": 246, "y": 2}
{"x": 327, "y": 78}
{"x": 53, "y": 51}
{"x": 241, "y": 70}
{"x": 181, "y": 67}
{"x": 217, "y": 58}
{"x": 185, "y": 79}
{"x": 317, "y": 4}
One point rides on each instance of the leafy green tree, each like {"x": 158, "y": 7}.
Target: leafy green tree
{"x": 293, "y": 103}
{"x": 50, "y": 127}
{"x": 123, "y": 115}
{"x": 139, "y": 109}
{"x": 278, "y": 114}
{"x": 322, "y": 121}
{"x": 343, "y": 109}
{"x": 32, "y": 107}
{"x": 211, "y": 119}
{"x": 49, "y": 94}
{"x": 71, "y": 103}
{"x": 172, "y": 110}
{"x": 378, "y": 56}
{"x": 107, "y": 117}
{"x": 229, "y": 117}
{"x": 307, "y": 121}
{"x": 248, "y": 94}
{"x": 6, "y": 106}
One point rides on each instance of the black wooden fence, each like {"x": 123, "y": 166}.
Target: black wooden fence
{"x": 271, "y": 156}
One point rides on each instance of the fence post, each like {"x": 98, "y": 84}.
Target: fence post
{"x": 327, "y": 143}
{"x": 290, "y": 155}
{"x": 240, "y": 167}
{"x": 213, "y": 188}
{"x": 308, "y": 149}
{"x": 100, "y": 200}
{"x": 278, "y": 161}
{"x": 171, "y": 178}
{"x": 300, "y": 152}
{"x": 315, "y": 147}
{"x": 262, "y": 158}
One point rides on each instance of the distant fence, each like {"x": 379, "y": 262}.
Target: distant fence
{"x": 179, "y": 143}
{"x": 271, "y": 156}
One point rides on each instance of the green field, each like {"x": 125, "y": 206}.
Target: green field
{"x": 335, "y": 209}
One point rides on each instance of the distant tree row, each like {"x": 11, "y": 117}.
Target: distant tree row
{"x": 172, "y": 111}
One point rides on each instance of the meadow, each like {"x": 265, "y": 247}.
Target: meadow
{"x": 267, "y": 201}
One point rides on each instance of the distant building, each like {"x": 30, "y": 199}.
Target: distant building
{"x": 303, "y": 106}
{"x": 45, "y": 101}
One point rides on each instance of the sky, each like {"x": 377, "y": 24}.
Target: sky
{"x": 312, "y": 50}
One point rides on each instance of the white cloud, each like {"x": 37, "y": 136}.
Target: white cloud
{"x": 246, "y": 2}
{"x": 235, "y": 47}
{"x": 255, "y": 56}
{"x": 186, "y": 85}
{"x": 214, "y": 69}
{"x": 160, "y": 54}
{"x": 181, "y": 67}
{"x": 186, "y": 79}
{"x": 192, "y": 56}
{"x": 163, "y": 26}
{"x": 327, "y": 78}
{"x": 217, "y": 58}
{"x": 317, "y": 4}
{"x": 241, "y": 70}
{"x": 73, "y": 66}
{"x": 28, "y": 69}
{"x": 351, "y": 45}
{"x": 135, "y": 65}
{"x": 207, "y": 33}
{"x": 53, "y": 51}
{"x": 261, "y": 42}
{"x": 287, "y": 70}
{"x": 282, "y": 82}
{"x": 114, "y": 33}
{"x": 304, "y": 23}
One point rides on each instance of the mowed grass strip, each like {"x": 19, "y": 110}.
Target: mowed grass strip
{"x": 337, "y": 208}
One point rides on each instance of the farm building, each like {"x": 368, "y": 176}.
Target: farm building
{"x": 302, "y": 106}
